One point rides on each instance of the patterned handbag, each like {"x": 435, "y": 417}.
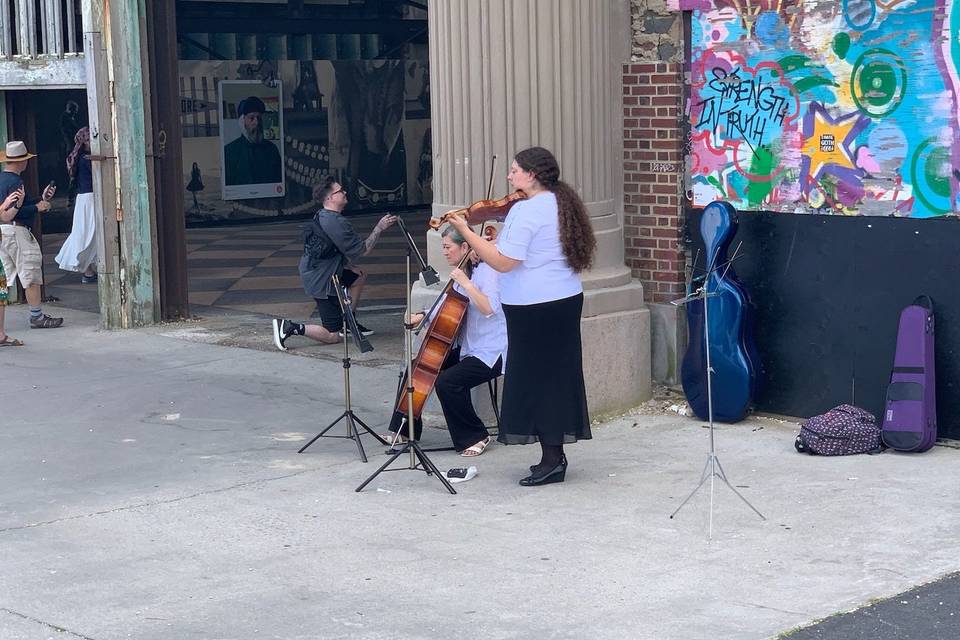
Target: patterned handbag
{"x": 842, "y": 431}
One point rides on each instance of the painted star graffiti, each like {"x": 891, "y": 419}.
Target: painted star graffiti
{"x": 828, "y": 146}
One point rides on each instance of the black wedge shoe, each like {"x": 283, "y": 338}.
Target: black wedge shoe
{"x": 556, "y": 474}
{"x": 563, "y": 461}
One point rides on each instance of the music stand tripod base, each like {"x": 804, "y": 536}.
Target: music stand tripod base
{"x": 411, "y": 446}
{"x": 352, "y": 419}
{"x": 352, "y": 433}
{"x": 712, "y": 469}
{"x": 426, "y": 465}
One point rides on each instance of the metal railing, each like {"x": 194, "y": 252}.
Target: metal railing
{"x": 31, "y": 29}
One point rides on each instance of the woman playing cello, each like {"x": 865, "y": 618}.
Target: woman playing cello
{"x": 546, "y": 241}
{"x": 481, "y": 352}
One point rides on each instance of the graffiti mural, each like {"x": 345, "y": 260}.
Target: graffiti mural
{"x": 824, "y": 106}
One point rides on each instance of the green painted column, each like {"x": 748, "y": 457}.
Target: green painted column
{"x": 139, "y": 291}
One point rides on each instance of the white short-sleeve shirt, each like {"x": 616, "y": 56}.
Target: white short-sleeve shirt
{"x": 531, "y": 234}
{"x": 484, "y": 337}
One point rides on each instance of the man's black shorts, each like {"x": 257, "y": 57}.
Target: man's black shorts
{"x": 331, "y": 316}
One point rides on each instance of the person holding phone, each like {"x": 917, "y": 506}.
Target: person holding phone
{"x": 19, "y": 250}
{"x": 5, "y": 340}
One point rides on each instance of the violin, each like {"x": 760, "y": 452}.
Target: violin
{"x": 482, "y": 210}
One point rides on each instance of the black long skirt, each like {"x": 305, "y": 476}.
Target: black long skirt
{"x": 544, "y": 398}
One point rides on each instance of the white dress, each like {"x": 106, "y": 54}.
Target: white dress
{"x": 79, "y": 250}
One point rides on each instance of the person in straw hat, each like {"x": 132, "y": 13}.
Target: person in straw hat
{"x": 5, "y": 340}
{"x": 19, "y": 250}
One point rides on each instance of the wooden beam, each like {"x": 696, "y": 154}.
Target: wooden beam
{"x": 22, "y": 14}
{"x": 138, "y": 273}
{"x": 168, "y": 159}
{"x": 72, "y": 26}
{"x": 3, "y": 119}
{"x": 45, "y": 73}
{"x": 294, "y": 25}
{"x": 6, "y": 42}
{"x": 100, "y": 111}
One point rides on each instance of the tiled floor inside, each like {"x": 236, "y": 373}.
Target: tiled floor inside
{"x": 253, "y": 269}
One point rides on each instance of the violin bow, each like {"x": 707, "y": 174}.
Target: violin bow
{"x": 493, "y": 172}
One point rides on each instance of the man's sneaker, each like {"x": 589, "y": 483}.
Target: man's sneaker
{"x": 363, "y": 330}
{"x": 45, "y": 322}
{"x": 88, "y": 279}
{"x": 282, "y": 329}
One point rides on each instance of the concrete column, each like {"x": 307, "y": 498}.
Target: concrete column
{"x": 509, "y": 74}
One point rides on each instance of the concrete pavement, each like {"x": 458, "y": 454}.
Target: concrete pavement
{"x": 151, "y": 489}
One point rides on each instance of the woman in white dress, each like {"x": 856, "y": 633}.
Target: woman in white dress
{"x": 79, "y": 250}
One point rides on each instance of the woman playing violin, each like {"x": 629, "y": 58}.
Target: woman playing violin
{"x": 480, "y": 354}
{"x": 546, "y": 241}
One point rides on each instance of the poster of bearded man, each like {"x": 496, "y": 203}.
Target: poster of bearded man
{"x": 251, "y": 139}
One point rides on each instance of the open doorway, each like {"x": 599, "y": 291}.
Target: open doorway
{"x": 48, "y": 121}
{"x": 344, "y": 92}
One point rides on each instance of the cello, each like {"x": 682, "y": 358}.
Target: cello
{"x": 734, "y": 361}
{"x": 445, "y": 321}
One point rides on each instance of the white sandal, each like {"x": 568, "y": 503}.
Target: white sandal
{"x": 475, "y": 450}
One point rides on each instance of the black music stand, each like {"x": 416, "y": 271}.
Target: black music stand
{"x": 712, "y": 469}
{"x": 419, "y": 461}
{"x": 361, "y": 342}
{"x": 428, "y": 273}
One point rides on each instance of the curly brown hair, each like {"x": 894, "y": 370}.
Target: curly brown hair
{"x": 576, "y": 232}
{"x": 323, "y": 189}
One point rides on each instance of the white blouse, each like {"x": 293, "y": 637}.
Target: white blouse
{"x": 484, "y": 337}
{"x": 531, "y": 234}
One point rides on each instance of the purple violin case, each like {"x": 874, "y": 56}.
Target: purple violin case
{"x": 910, "y": 413}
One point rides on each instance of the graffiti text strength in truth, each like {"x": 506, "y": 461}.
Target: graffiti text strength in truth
{"x": 744, "y": 105}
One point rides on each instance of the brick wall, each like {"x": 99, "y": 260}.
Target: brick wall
{"x": 652, "y": 177}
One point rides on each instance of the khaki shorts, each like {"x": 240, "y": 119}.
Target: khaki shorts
{"x": 3, "y": 286}
{"x": 20, "y": 255}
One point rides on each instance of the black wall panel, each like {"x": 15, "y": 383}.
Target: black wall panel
{"x": 828, "y": 292}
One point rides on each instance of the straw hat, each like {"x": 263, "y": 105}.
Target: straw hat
{"x": 16, "y": 151}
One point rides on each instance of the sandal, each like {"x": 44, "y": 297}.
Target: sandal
{"x": 10, "y": 342}
{"x": 475, "y": 450}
